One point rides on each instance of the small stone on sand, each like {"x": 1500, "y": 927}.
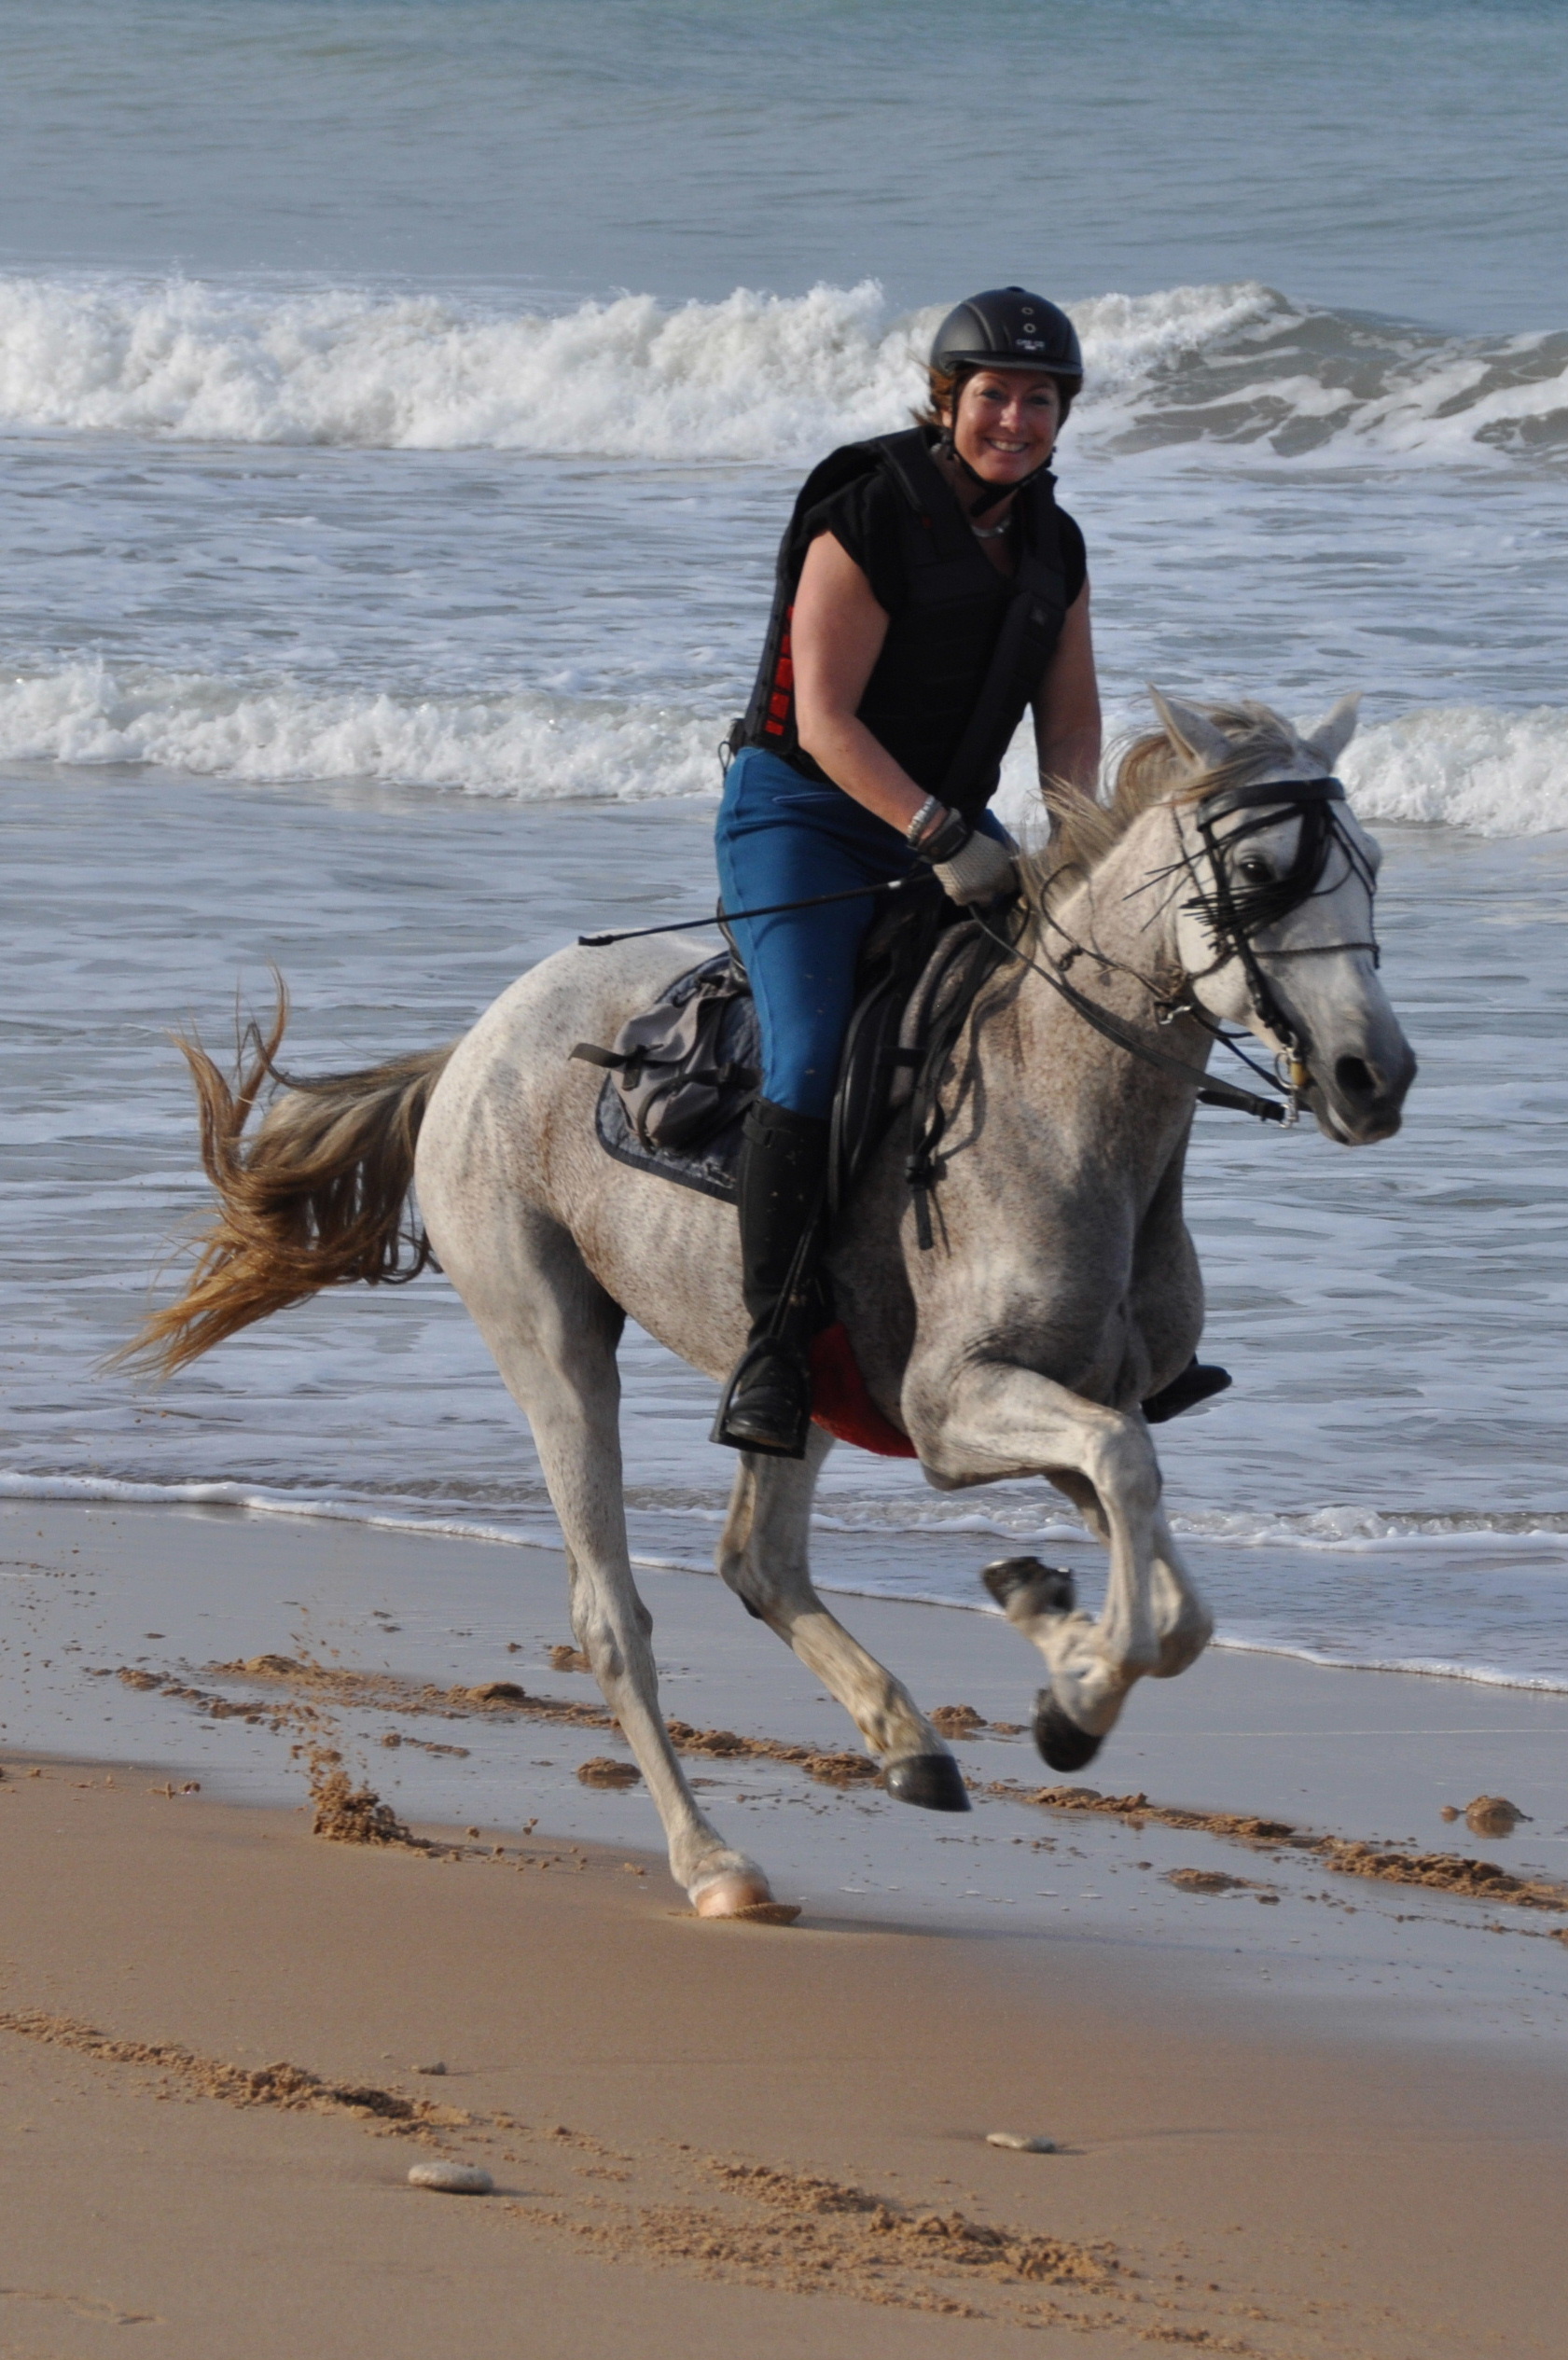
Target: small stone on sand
{"x": 436, "y": 2067}
{"x": 280, "y": 1666}
{"x": 452, "y": 2179}
{"x": 1492, "y": 1815}
{"x": 602, "y": 1771}
{"x": 497, "y": 1692}
{"x": 1018, "y": 2143}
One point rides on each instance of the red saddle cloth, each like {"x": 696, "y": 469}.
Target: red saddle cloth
{"x": 841, "y": 1402}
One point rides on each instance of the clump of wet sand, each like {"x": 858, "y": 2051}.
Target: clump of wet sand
{"x": 1486, "y": 1815}
{"x": 957, "y": 1720}
{"x": 1440, "y": 1871}
{"x": 346, "y": 1813}
{"x": 1211, "y": 1881}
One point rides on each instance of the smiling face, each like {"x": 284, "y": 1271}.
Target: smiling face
{"x": 1007, "y": 423}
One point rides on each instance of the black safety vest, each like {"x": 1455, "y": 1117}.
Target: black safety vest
{"x": 965, "y": 652}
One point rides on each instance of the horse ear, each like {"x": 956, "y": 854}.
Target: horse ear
{"x": 1191, "y": 732}
{"x": 1328, "y": 738}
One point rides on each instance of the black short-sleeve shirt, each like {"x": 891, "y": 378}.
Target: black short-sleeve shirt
{"x": 866, "y": 519}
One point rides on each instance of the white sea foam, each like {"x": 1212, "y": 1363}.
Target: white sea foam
{"x": 1496, "y": 774}
{"x": 537, "y": 747}
{"x": 753, "y": 378}
{"x": 917, "y": 1585}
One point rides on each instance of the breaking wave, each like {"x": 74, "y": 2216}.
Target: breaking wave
{"x": 1467, "y": 766}
{"x": 1493, "y": 772}
{"x": 537, "y": 747}
{"x": 753, "y": 378}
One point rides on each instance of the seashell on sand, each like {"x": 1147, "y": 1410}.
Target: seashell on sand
{"x": 450, "y": 2179}
{"x": 1019, "y": 2144}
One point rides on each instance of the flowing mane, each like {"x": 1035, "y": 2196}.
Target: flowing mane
{"x": 1151, "y": 769}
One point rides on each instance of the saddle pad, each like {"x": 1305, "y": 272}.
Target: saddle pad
{"x": 710, "y": 1164}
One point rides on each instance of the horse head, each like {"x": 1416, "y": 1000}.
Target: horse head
{"x": 1273, "y": 898}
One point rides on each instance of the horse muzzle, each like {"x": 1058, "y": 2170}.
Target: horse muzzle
{"x": 1359, "y": 1099}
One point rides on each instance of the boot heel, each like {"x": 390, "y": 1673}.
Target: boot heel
{"x": 767, "y": 1404}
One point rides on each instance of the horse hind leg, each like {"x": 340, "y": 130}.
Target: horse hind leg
{"x": 763, "y": 1557}
{"x": 554, "y": 1332}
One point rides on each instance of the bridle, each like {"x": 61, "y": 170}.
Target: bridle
{"x": 1232, "y": 918}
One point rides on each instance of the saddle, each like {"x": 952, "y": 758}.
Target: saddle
{"x": 682, "y": 1073}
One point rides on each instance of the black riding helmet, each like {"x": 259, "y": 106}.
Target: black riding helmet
{"x": 1007, "y": 327}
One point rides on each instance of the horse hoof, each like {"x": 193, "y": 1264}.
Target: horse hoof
{"x": 933, "y": 1781}
{"x": 1051, "y": 1589}
{"x": 732, "y": 1896}
{"x": 1063, "y": 1745}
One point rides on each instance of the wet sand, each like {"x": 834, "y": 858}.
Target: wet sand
{"x": 684, "y": 2122}
{"x": 1330, "y": 2125}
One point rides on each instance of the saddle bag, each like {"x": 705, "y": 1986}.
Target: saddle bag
{"x": 676, "y": 1082}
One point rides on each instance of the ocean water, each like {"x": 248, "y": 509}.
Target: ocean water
{"x": 398, "y": 408}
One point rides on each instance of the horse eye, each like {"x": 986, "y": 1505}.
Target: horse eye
{"x": 1253, "y": 871}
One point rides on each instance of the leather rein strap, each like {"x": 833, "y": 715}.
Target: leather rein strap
{"x": 1233, "y": 921}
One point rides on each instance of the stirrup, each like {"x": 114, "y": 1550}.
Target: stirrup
{"x": 1196, "y": 1384}
{"x": 767, "y": 1404}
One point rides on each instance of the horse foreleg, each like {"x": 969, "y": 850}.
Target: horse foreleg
{"x": 1184, "y": 1624}
{"x": 763, "y": 1555}
{"x": 991, "y": 1420}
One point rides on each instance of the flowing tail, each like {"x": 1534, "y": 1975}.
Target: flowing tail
{"x": 317, "y": 1199}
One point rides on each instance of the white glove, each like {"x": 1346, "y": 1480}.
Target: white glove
{"x": 982, "y": 870}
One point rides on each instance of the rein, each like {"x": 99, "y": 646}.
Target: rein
{"x": 1210, "y": 1093}
{"x": 1232, "y": 919}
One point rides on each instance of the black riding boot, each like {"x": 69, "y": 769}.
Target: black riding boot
{"x": 767, "y": 1404}
{"x": 1196, "y": 1384}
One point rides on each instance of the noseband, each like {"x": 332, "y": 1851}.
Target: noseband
{"x": 1233, "y": 915}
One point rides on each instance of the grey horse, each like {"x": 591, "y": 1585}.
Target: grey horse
{"x": 1060, "y": 1291}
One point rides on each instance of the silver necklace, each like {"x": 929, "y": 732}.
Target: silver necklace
{"x": 991, "y": 532}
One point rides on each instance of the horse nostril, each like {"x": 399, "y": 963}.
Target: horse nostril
{"x": 1355, "y": 1077}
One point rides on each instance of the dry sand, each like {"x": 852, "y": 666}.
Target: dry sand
{"x": 213, "y": 2023}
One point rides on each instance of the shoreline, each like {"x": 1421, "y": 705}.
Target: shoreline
{"x": 238, "y": 1499}
{"x": 143, "y": 1637}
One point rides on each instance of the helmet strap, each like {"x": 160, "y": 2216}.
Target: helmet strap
{"x": 991, "y": 493}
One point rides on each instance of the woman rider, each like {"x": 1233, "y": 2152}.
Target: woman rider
{"x": 929, "y": 592}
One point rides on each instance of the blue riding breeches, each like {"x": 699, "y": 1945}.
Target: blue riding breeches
{"x": 785, "y": 838}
